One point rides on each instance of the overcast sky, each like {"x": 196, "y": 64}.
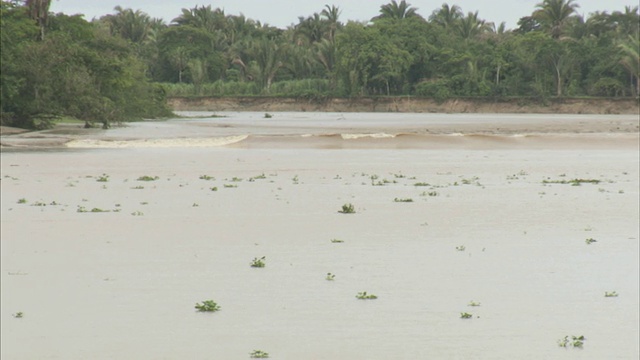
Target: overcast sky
{"x": 282, "y": 13}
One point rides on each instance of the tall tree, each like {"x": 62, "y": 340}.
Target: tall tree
{"x": 134, "y": 26}
{"x": 268, "y": 57}
{"x": 332, "y": 15}
{"x": 553, "y": 15}
{"x": 630, "y": 59}
{"x": 470, "y": 26}
{"x": 39, "y": 11}
{"x": 203, "y": 17}
{"x": 628, "y": 21}
{"x": 397, "y": 11}
{"x": 446, "y": 16}
{"x": 312, "y": 29}
{"x": 239, "y": 27}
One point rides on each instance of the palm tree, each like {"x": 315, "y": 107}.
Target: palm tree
{"x": 628, "y": 21}
{"x": 446, "y": 16}
{"x": 331, "y": 15}
{"x": 470, "y": 26}
{"x": 203, "y": 17}
{"x": 554, "y": 14}
{"x": 198, "y": 71}
{"x": 134, "y": 26}
{"x": 179, "y": 58}
{"x": 39, "y": 11}
{"x": 239, "y": 27}
{"x": 312, "y": 29}
{"x": 325, "y": 52}
{"x": 630, "y": 59}
{"x": 268, "y": 55}
{"x": 501, "y": 29}
{"x": 396, "y": 11}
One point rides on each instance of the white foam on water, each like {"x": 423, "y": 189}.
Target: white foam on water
{"x": 374, "y": 136}
{"x": 157, "y": 143}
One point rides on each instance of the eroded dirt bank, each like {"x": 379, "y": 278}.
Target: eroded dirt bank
{"x": 406, "y": 104}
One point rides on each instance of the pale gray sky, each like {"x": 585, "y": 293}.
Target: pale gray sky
{"x": 282, "y": 13}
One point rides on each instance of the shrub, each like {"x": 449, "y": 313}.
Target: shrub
{"x": 607, "y": 87}
{"x": 439, "y": 89}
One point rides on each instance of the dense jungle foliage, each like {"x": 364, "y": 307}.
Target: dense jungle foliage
{"x": 123, "y": 65}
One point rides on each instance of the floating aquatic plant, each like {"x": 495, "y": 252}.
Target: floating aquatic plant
{"x": 258, "y": 263}
{"x": 259, "y": 354}
{"x": 364, "y": 296}
{"x": 207, "y": 306}
{"x": 330, "y": 276}
{"x": 348, "y": 209}
{"x": 573, "y": 341}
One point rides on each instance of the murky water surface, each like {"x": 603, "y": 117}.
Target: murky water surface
{"x": 113, "y": 268}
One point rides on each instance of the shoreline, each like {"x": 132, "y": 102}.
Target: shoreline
{"x": 407, "y": 104}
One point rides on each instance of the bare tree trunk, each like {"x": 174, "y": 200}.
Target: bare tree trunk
{"x": 39, "y": 11}
{"x": 558, "y": 82}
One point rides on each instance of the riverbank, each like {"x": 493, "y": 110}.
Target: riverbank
{"x": 409, "y": 104}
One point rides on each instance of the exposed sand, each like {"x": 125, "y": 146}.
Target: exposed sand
{"x": 409, "y": 104}
{"x": 122, "y": 284}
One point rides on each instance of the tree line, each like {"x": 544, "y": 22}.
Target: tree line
{"x": 89, "y": 66}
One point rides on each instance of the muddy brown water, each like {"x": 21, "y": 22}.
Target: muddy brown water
{"x": 123, "y": 283}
